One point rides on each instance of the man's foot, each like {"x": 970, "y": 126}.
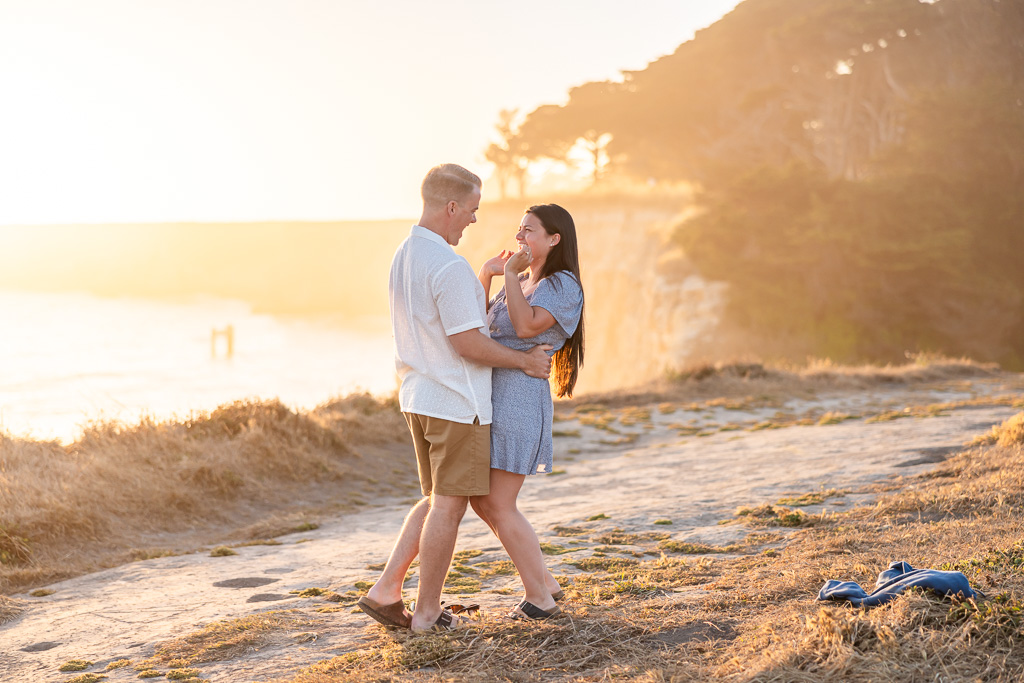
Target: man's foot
{"x": 394, "y": 615}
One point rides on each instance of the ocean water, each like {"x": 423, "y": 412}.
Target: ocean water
{"x": 70, "y": 358}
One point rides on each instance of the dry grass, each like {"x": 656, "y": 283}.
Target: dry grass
{"x": 1011, "y": 432}
{"x": 88, "y": 678}
{"x": 125, "y": 492}
{"x": 75, "y": 665}
{"x": 753, "y": 617}
{"x": 10, "y": 608}
{"x": 1008, "y": 434}
{"x": 498, "y": 650}
{"x": 226, "y": 640}
{"x": 755, "y": 383}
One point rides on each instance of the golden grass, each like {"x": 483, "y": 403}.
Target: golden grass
{"x": 753, "y": 617}
{"x": 10, "y": 608}
{"x": 740, "y": 385}
{"x": 87, "y": 678}
{"x": 233, "y": 472}
{"x": 620, "y": 537}
{"x": 673, "y": 546}
{"x": 228, "y": 639}
{"x": 501, "y": 650}
{"x": 1011, "y": 432}
{"x": 745, "y": 617}
{"x": 183, "y": 674}
{"x": 812, "y": 498}
{"x": 129, "y": 492}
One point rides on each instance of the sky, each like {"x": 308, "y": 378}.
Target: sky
{"x": 121, "y": 111}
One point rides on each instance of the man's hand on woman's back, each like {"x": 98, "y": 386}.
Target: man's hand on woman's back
{"x": 479, "y": 348}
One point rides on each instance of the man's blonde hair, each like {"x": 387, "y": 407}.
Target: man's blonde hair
{"x": 448, "y": 182}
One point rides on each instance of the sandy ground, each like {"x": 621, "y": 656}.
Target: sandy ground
{"x": 634, "y": 470}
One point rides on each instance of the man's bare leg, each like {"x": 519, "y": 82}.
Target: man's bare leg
{"x": 388, "y": 588}
{"x": 437, "y": 544}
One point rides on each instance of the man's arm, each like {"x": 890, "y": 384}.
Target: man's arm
{"x": 478, "y": 348}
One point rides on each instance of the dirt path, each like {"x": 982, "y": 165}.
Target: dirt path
{"x": 635, "y": 468}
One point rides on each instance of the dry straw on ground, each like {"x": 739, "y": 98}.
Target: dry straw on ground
{"x": 752, "y": 616}
{"x": 226, "y": 640}
{"x": 10, "y": 608}
{"x": 127, "y": 492}
{"x": 723, "y": 380}
{"x": 737, "y": 613}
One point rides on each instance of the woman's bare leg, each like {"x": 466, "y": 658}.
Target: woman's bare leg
{"x": 499, "y": 511}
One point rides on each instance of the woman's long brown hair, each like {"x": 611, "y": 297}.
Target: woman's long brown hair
{"x": 563, "y": 256}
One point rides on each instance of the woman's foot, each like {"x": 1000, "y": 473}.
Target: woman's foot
{"x": 527, "y": 610}
{"x": 447, "y": 621}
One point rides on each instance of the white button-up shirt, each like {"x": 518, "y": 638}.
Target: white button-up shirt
{"x": 435, "y": 293}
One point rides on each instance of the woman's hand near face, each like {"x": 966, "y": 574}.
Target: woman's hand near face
{"x": 496, "y": 265}
{"x": 518, "y": 262}
{"x": 492, "y": 267}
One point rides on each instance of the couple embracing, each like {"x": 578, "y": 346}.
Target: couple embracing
{"x": 474, "y": 389}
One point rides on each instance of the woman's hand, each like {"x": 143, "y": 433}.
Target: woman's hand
{"x": 496, "y": 265}
{"x": 519, "y": 262}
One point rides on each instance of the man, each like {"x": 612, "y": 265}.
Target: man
{"x": 444, "y": 358}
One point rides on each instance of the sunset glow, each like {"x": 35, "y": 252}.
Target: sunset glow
{"x": 119, "y": 111}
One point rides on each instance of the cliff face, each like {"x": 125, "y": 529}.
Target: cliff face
{"x": 645, "y": 310}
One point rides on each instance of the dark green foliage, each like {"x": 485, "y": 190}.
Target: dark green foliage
{"x": 860, "y": 166}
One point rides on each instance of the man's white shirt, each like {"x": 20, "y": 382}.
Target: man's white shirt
{"x": 435, "y": 293}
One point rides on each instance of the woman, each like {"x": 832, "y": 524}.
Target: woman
{"x": 545, "y": 307}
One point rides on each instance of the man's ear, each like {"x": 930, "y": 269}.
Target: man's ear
{"x": 451, "y": 207}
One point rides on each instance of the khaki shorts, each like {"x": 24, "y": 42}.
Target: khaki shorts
{"x": 453, "y": 459}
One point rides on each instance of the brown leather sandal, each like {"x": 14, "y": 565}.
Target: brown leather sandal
{"x": 394, "y": 615}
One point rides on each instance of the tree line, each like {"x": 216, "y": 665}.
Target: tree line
{"x": 859, "y": 166}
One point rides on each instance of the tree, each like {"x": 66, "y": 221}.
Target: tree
{"x": 509, "y": 155}
{"x": 859, "y": 165}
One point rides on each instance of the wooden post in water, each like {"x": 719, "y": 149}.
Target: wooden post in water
{"x": 229, "y": 336}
